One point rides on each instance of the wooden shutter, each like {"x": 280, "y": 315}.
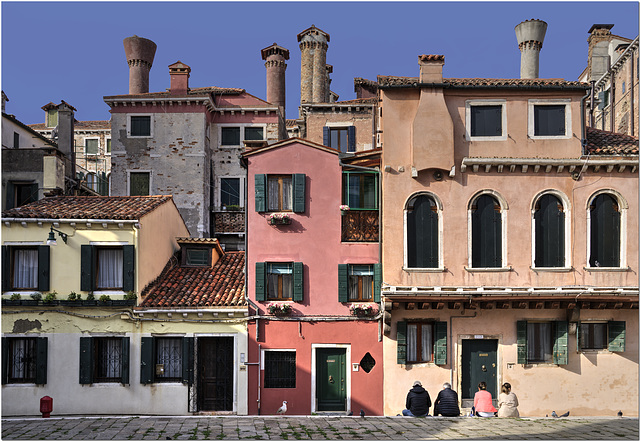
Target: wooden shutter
{"x": 486, "y": 233}
{"x": 326, "y": 136}
{"x": 561, "y": 342}
{"x": 549, "y": 228}
{"x": 422, "y": 234}
{"x": 440, "y": 343}
{"x": 187, "y": 360}
{"x": 86, "y": 360}
{"x": 5, "y": 360}
{"x": 125, "y": 361}
{"x": 522, "y": 341}
{"x": 351, "y": 142}
{"x": 261, "y": 278}
{"x": 147, "y": 360}
{"x": 298, "y": 282}
{"x": 401, "y": 339}
{"x": 343, "y": 282}
{"x": 43, "y": 267}
{"x": 10, "y": 196}
{"x": 261, "y": 192}
{"x": 6, "y": 268}
{"x": 299, "y": 181}
{"x": 616, "y": 336}
{"x": 128, "y": 268}
{"x": 377, "y": 281}
{"x": 605, "y": 232}
{"x": 41, "y": 360}
{"x": 87, "y": 267}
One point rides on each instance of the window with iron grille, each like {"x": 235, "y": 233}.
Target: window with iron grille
{"x": 107, "y": 358}
{"x": 169, "y": 356}
{"x": 279, "y": 369}
{"x": 22, "y": 360}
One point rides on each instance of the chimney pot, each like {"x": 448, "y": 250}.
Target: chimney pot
{"x": 179, "y": 73}
{"x": 140, "y": 53}
{"x": 530, "y": 35}
{"x": 431, "y": 68}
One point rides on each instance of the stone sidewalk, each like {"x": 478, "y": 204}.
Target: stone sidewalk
{"x": 319, "y": 427}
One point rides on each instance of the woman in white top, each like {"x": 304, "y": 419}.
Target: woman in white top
{"x": 507, "y": 403}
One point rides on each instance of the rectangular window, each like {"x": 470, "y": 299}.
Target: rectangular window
{"x": 549, "y": 120}
{"x": 280, "y": 193}
{"x": 168, "y": 359}
{"x": 540, "y": 342}
{"x": 108, "y": 145}
{"x": 360, "y": 283}
{"x": 52, "y": 117}
{"x": 198, "y": 257}
{"x": 339, "y": 137}
{"x": 16, "y": 140}
{"x": 486, "y": 120}
{"x": 360, "y": 190}
{"x": 140, "y": 125}
{"x": 280, "y": 281}
{"x": 23, "y": 193}
{"x": 230, "y": 136}
{"x": 25, "y": 268}
{"x": 107, "y": 358}
{"x": 109, "y": 268}
{"x": 279, "y": 369}
{"x": 593, "y": 336}
{"x": 253, "y": 133}
{"x": 139, "y": 183}
{"x": 420, "y": 342}
{"x": 22, "y": 360}
{"x": 229, "y": 191}
{"x": 91, "y": 146}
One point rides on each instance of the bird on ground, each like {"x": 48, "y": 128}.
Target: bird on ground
{"x": 619, "y": 413}
{"x": 283, "y": 409}
{"x": 554, "y": 414}
{"x": 566, "y": 414}
{"x": 362, "y": 413}
{"x": 350, "y": 413}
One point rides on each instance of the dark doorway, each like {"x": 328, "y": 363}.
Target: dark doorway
{"x": 479, "y": 363}
{"x": 215, "y": 373}
{"x": 331, "y": 382}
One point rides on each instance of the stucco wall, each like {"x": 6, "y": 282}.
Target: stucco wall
{"x": 316, "y": 119}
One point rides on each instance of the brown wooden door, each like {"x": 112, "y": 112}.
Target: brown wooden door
{"x": 215, "y": 369}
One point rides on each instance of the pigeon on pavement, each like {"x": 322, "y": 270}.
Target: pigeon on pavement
{"x": 554, "y": 414}
{"x": 283, "y": 408}
{"x": 350, "y": 413}
{"x": 362, "y": 413}
{"x": 619, "y": 413}
{"x": 566, "y": 414}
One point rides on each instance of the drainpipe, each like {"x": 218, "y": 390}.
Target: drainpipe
{"x": 583, "y": 122}
{"x": 632, "y": 96}
{"x": 453, "y": 364}
{"x": 612, "y": 107}
{"x": 592, "y": 102}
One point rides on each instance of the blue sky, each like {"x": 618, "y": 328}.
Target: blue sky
{"x": 73, "y": 51}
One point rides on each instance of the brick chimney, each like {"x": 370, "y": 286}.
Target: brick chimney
{"x": 530, "y": 35}
{"x": 66, "y": 142}
{"x": 179, "y": 73}
{"x": 431, "y": 68}
{"x": 275, "y": 62}
{"x": 140, "y": 53}
{"x": 313, "y": 73}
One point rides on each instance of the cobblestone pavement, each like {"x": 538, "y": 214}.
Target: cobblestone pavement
{"x": 319, "y": 427}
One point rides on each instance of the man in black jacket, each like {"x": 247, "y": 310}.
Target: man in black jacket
{"x": 447, "y": 402}
{"x": 418, "y": 401}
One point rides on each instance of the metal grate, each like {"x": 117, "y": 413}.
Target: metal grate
{"x": 279, "y": 369}
{"x": 23, "y": 360}
{"x": 360, "y": 226}
{"x": 108, "y": 360}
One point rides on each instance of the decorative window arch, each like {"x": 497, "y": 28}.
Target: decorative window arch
{"x": 487, "y": 211}
{"x": 606, "y": 229}
{"x": 550, "y": 216}
{"x": 423, "y": 232}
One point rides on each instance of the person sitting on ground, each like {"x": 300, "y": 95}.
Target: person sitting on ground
{"x": 483, "y": 402}
{"x": 418, "y": 401}
{"x": 507, "y": 403}
{"x": 446, "y": 404}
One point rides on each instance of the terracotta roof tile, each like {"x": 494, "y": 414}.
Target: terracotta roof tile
{"x": 220, "y": 285}
{"x": 193, "y": 91}
{"x": 89, "y": 207}
{"x": 431, "y": 57}
{"x": 291, "y": 122}
{"x": 387, "y": 80}
{"x": 600, "y": 142}
{"x": 372, "y": 100}
{"x": 78, "y": 125}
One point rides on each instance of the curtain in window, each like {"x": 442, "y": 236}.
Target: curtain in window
{"x": 23, "y": 365}
{"x": 357, "y": 274}
{"x": 25, "y": 273}
{"x": 412, "y": 341}
{"x": 169, "y": 352}
{"x": 110, "y": 268}
{"x": 539, "y": 344}
{"x": 277, "y": 272}
{"x": 427, "y": 338}
{"x": 273, "y": 193}
{"x": 108, "y": 360}
{"x": 287, "y": 194}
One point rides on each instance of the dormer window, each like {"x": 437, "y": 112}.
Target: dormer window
{"x": 199, "y": 251}
{"x": 198, "y": 256}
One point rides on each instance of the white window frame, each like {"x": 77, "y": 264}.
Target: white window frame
{"x": 441, "y": 266}
{"x": 151, "y": 123}
{"x": 107, "y": 138}
{"x": 624, "y": 208}
{"x": 85, "y": 145}
{"x": 541, "y": 102}
{"x": 241, "y": 189}
{"x": 504, "y": 208}
{"x": 567, "y": 232}
{"x": 472, "y": 103}
{"x": 139, "y": 171}
{"x": 242, "y": 126}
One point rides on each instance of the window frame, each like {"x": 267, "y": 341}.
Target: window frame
{"x": 280, "y": 288}
{"x": 39, "y": 360}
{"x": 559, "y": 336}
{"x": 241, "y": 190}
{"x": 149, "y": 359}
{"x": 107, "y": 150}
{"x": 566, "y": 231}
{"x": 346, "y": 177}
{"x": 207, "y": 255}
{"x": 89, "y": 267}
{"x": 419, "y": 343}
{"x": 16, "y": 140}
{"x": 623, "y": 208}
{"x": 92, "y": 181}
{"x": 469, "y": 104}
{"x": 98, "y": 250}
{"x": 349, "y": 126}
{"x": 438, "y": 204}
{"x": 504, "y": 208}
{"x": 360, "y": 285}
{"x": 280, "y": 178}
{"x": 89, "y": 363}
{"x": 92, "y": 138}
{"x": 533, "y": 103}
{"x": 148, "y": 172}
{"x": 156, "y": 355}
{"x": 13, "y": 250}
{"x": 151, "y": 124}
{"x": 242, "y": 128}
{"x": 265, "y": 368}
{"x": 592, "y": 347}
{"x": 439, "y": 337}
{"x": 261, "y": 275}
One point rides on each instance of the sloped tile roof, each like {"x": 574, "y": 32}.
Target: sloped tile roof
{"x": 600, "y": 142}
{"x": 431, "y": 57}
{"x": 78, "y": 125}
{"x": 387, "y": 80}
{"x": 220, "y": 285}
{"x": 88, "y": 207}
{"x": 193, "y": 91}
{"x": 371, "y": 100}
{"x": 291, "y": 122}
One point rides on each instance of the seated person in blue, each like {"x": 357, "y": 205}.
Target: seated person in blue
{"x": 418, "y": 401}
{"x": 447, "y": 402}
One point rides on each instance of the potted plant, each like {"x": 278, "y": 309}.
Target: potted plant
{"x": 279, "y": 308}
{"x": 344, "y": 209}
{"x": 73, "y": 299}
{"x": 279, "y": 219}
{"x": 50, "y": 299}
{"x": 14, "y": 300}
{"x": 105, "y": 298}
{"x": 363, "y": 309}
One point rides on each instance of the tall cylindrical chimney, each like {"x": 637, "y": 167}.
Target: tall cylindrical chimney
{"x": 275, "y": 57}
{"x": 530, "y": 35}
{"x": 313, "y": 48}
{"x": 140, "y": 53}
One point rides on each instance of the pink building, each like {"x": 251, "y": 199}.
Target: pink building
{"x": 313, "y": 277}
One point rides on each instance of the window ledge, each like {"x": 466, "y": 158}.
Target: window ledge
{"x": 565, "y": 269}
{"x": 594, "y": 351}
{"x": 487, "y": 138}
{"x": 489, "y": 270}
{"x": 541, "y": 364}
{"x": 425, "y": 270}
{"x": 22, "y": 385}
{"x": 606, "y": 269}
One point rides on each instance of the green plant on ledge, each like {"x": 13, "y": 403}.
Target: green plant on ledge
{"x": 36, "y": 296}
{"x": 90, "y": 296}
{"x": 105, "y": 298}
{"x": 74, "y": 296}
{"x": 50, "y": 297}
{"x": 16, "y": 296}
{"x": 131, "y": 296}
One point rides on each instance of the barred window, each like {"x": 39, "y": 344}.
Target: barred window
{"x": 22, "y": 360}
{"x": 107, "y": 356}
{"x": 280, "y": 369}
{"x": 169, "y": 355}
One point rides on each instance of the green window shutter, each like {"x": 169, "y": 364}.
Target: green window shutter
{"x": 128, "y": 268}
{"x": 87, "y": 265}
{"x": 41, "y": 360}
{"x": 351, "y": 135}
{"x": 147, "y": 360}
{"x": 6, "y": 268}
{"x": 261, "y": 192}
{"x": 10, "y": 196}
{"x": 43, "y": 267}
{"x": 578, "y": 348}
{"x": 298, "y": 282}
{"x": 5, "y": 360}
{"x": 187, "y": 360}
{"x": 377, "y": 281}
{"x": 441, "y": 343}
{"x": 326, "y": 136}
{"x": 261, "y": 278}
{"x": 616, "y": 336}
{"x": 560, "y": 344}
{"x": 125, "y": 360}
{"x": 522, "y": 341}
{"x": 86, "y": 360}
{"x": 401, "y": 339}
{"x": 299, "y": 181}
{"x": 343, "y": 282}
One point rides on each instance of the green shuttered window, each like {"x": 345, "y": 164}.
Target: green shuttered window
{"x": 118, "y": 262}
{"x": 604, "y": 217}
{"x": 279, "y": 281}
{"x": 422, "y": 342}
{"x": 24, "y": 360}
{"x": 549, "y": 219}
{"x": 25, "y": 268}
{"x": 173, "y": 356}
{"x": 486, "y": 233}
{"x": 280, "y": 192}
{"x": 359, "y": 283}
{"x": 104, "y": 360}
{"x": 422, "y": 233}
{"x": 542, "y": 342}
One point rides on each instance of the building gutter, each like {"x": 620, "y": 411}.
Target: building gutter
{"x": 487, "y": 86}
{"x": 70, "y": 221}
{"x": 583, "y": 121}
{"x": 189, "y": 310}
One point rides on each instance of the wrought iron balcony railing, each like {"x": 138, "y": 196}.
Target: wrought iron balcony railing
{"x": 360, "y": 226}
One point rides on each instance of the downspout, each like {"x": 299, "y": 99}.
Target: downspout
{"x": 453, "y": 364}
{"x": 631, "y": 108}
{"x": 583, "y": 122}
{"x": 613, "y": 102}
{"x": 592, "y": 102}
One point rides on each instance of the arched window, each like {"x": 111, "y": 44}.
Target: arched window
{"x": 422, "y": 232}
{"x": 486, "y": 233}
{"x": 549, "y": 220}
{"x": 605, "y": 231}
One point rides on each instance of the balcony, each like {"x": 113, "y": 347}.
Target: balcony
{"x": 360, "y": 226}
{"x": 228, "y": 222}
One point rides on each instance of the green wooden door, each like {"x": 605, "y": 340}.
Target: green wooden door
{"x": 331, "y": 379}
{"x": 479, "y": 363}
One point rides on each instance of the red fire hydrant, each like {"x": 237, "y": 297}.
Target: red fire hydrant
{"x": 46, "y": 406}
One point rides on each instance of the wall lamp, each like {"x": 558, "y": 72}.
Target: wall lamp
{"x": 52, "y": 237}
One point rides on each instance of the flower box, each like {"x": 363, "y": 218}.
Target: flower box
{"x": 363, "y": 309}
{"x": 279, "y": 219}
{"x": 344, "y": 209}
{"x": 279, "y": 308}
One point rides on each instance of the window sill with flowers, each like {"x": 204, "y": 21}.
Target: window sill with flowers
{"x": 279, "y": 308}
{"x": 363, "y": 309}
{"x": 279, "y": 219}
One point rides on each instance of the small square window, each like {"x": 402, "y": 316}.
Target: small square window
{"x": 139, "y": 183}
{"x": 253, "y": 133}
{"x": 230, "y": 136}
{"x": 420, "y": 341}
{"x": 280, "y": 281}
{"x": 91, "y": 146}
{"x": 168, "y": 359}
{"x": 593, "y": 336}
{"x": 108, "y": 145}
{"x": 279, "y": 369}
{"x": 486, "y": 120}
{"x": 140, "y": 125}
{"x": 198, "y": 257}
{"x": 339, "y": 138}
{"x": 549, "y": 120}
